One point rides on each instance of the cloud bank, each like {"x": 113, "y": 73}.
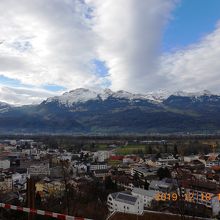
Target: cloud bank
{"x": 196, "y": 67}
{"x": 44, "y": 42}
{"x": 18, "y": 95}
{"x": 130, "y": 34}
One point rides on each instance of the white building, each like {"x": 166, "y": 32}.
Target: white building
{"x": 147, "y": 196}
{"x": 26, "y": 151}
{"x": 98, "y": 166}
{"x": 19, "y": 178}
{"x": 128, "y": 160}
{"x": 4, "y": 164}
{"x": 10, "y": 142}
{"x": 208, "y": 199}
{"x": 101, "y": 156}
{"x": 143, "y": 171}
{"x": 212, "y": 163}
{"x": 39, "y": 169}
{"x": 160, "y": 186}
{"x": 190, "y": 158}
{"x": 126, "y": 203}
{"x": 169, "y": 160}
{"x": 66, "y": 156}
{"x": 81, "y": 168}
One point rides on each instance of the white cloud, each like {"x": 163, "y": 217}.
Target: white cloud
{"x": 54, "y": 43}
{"x": 130, "y": 34}
{"x": 196, "y": 67}
{"x": 22, "y": 96}
{"x": 44, "y": 42}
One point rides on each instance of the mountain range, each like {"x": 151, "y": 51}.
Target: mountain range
{"x": 84, "y": 111}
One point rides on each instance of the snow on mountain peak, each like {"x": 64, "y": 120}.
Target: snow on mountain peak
{"x": 158, "y": 96}
{"x": 82, "y": 95}
{"x": 74, "y": 96}
{"x": 104, "y": 94}
{"x": 4, "y": 107}
{"x": 192, "y": 94}
{"x": 124, "y": 95}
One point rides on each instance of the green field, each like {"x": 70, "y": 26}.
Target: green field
{"x": 130, "y": 149}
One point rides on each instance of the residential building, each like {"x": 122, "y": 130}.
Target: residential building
{"x": 126, "y": 203}
{"x": 101, "y": 156}
{"x": 143, "y": 172}
{"x": 146, "y": 195}
{"x": 4, "y": 164}
{"x": 98, "y": 166}
{"x": 5, "y": 183}
{"x": 160, "y": 186}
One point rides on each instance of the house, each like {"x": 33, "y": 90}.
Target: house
{"x": 5, "y": 183}
{"x": 168, "y": 160}
{"x": 116, "y": 157}
{"x": 202, "y": 197}
{"x": 204, "y": 193}
{"x": 190, "y": 158}
{"x": 48, "y": 187}
{"x": 80, "y": 182}
{"x": 124, "y": 181}
{"x": 160, "y": 186}
{"x": 101, "y": 156}
{"x": 125, "y": 202}
{"x": 10, "y": 142}
{"x": 4, "y": 164}
{"x": 101, "y": 173}
{"x": 97, "y": 166}
{"x": 146, "y": 195}
{"x": 65, "y": 156}
{"x": 144, "y": 172}
{"x": 80, "y": 168}
{"x": 39, "y": 169}
{"x": 212, "y": 163}
{"x": 124, "y": 168}
{"x": 130, "y": 159}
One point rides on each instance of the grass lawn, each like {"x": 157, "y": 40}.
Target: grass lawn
{"x": 130, "y": 149}
{"x": 102, "y": 146}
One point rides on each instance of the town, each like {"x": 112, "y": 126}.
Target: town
{"x": 122, "y": 178}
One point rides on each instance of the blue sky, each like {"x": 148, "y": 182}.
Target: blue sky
{"x": 192, "y": 20}
{"x": 52, "y": 47}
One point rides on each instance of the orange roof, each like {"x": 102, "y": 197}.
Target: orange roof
{"x": 217, "y": 168}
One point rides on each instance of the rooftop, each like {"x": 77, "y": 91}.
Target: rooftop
{"x": 124, "y": 197}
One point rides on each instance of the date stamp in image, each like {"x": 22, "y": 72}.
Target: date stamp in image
{"x": 189, "y": 196}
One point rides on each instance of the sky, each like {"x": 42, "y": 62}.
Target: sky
{"x": 50, "y": 47}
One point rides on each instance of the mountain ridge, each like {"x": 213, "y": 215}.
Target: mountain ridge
{"x": 83, "y": 95}
{"x": 89, "y": 112}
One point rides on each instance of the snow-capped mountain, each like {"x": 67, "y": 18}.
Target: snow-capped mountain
{"x": 74, "y": 96}
{"x": 83, "y": 95}
{"x": 193, "y": 94}
{"x": 4, "y": 107}
{"x": 88, "y": 111}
